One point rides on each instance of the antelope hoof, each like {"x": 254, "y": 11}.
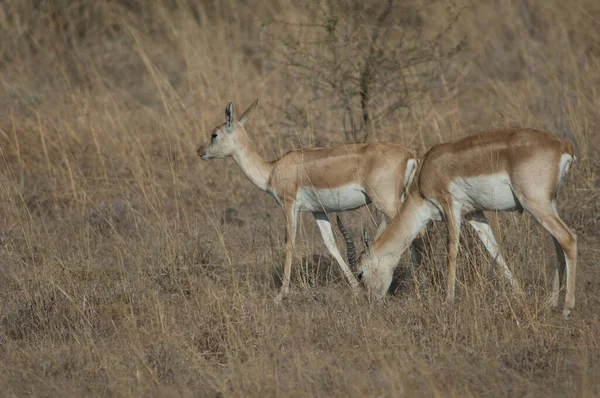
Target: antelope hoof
{"x": 278, "y": 297}
{"x": 566, "y": 313}
{"x": 517, "y": 289}
{"x": 359, "y": 275}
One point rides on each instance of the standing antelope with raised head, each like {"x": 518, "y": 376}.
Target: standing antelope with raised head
{"x": 318, "y": 180}
{"x": 502, "y": 170}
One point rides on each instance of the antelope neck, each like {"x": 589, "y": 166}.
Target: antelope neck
{"x": 254, "y": 166}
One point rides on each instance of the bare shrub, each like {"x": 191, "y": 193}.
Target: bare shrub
{"x": 362, "y": 62}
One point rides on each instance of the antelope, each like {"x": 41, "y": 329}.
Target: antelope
{"x": 318, "y": 181}
{"x": 500, "y": 170}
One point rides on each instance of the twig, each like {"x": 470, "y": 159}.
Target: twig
{"x": 366, "y": 75}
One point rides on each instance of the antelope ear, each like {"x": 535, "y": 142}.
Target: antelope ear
{"x": 248, "y": 113}
{"x": 229, "y": 114}
{"x": 367, "y": 241}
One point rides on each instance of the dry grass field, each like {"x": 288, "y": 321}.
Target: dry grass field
{"x": 124, "y": 271}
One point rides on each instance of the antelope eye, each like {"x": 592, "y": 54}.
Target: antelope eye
{"x": 214, "y": 135}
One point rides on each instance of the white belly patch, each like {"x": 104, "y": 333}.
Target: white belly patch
{"x": 491, "y": 192}
{"x": 335, "y": 199}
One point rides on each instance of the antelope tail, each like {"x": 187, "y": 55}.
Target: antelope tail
{"x": 350, "y": 248}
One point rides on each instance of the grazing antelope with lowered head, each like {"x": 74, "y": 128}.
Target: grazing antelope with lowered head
{"x": 318, "y": 180}
{"x": 503, "y": 170}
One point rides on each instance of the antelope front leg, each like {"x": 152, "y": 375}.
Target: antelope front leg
{"x": 417, "y": 248}
{"x": 291, "y": 216}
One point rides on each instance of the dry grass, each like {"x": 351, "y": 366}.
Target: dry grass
{"x": 118, "y": 277}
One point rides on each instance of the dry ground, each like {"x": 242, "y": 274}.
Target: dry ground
{"x": 118, "y": 276}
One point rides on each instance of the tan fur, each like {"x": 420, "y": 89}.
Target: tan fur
{"x": 526, "y": 160}
{"x": 377, "y": 167}
{"x": 513, "y": 150}
{"x": 376, "y": 170}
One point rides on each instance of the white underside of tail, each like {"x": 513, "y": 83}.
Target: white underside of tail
{"x": 409, "y": 175}
{"x": 566, "y": 161}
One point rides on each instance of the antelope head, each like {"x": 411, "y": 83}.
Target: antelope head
{"x": 371, "y": 270}
{"x": 228, "y": 137}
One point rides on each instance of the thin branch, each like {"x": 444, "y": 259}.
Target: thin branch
{"x": 366, "y": 74}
